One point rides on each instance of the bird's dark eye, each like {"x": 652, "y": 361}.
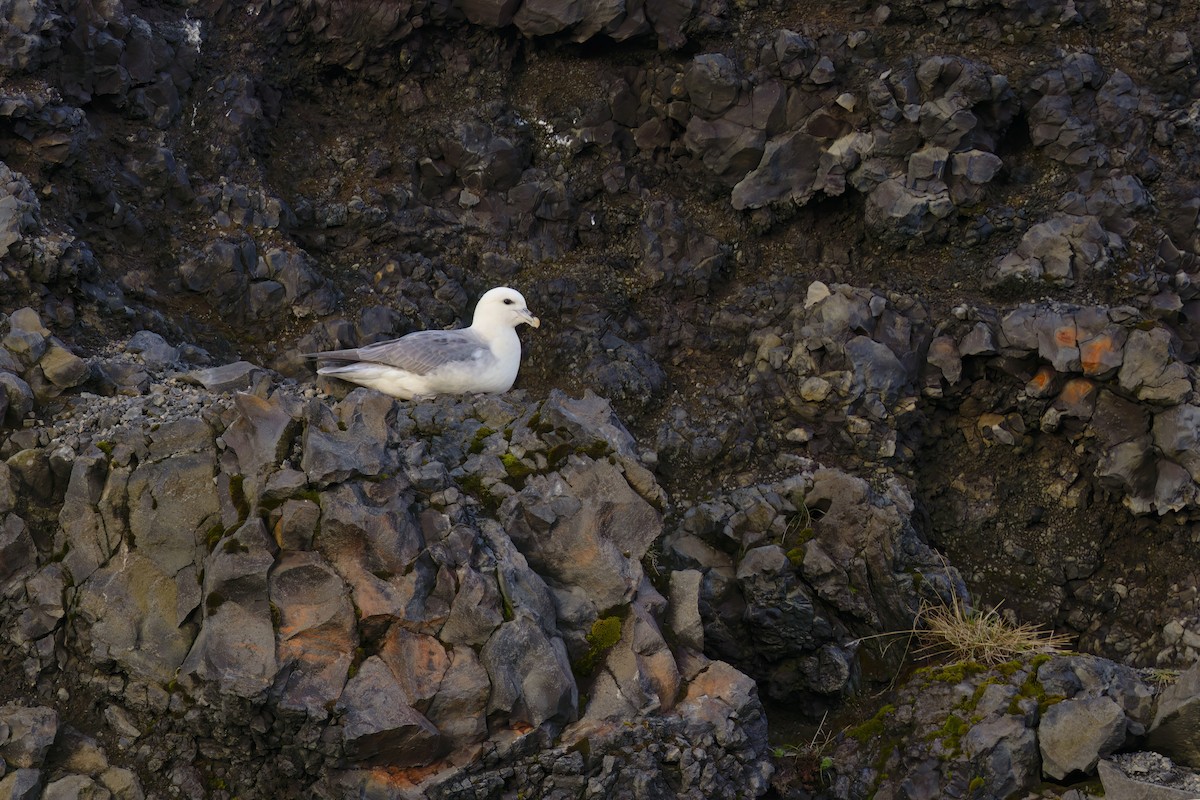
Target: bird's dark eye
{"x": 508, "y": 301}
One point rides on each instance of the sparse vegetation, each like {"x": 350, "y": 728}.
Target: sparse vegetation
{"x": 605, "y": 632}
{"x": 809, "y": 761}
{"x": 962, "y": 634}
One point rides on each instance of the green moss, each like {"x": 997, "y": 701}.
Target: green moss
{"x": 473, "y": 485}
{"x": 106, "y": 447}
{"x": 976, "y": 784}
{"x": 1009, "y": 668}
{"x": 312, "y": 495}
{"x": 237, "y": 495}
{"x": 595, "y": 449}
{"x": 796, "y": 556}
{"x": 213, "y": 535}
{"x": 605, "y": 633}
{"x": 955, "y": 673}
{"x": 872, "y": 728}
{"x": 1031, "y": 688}
{"x": 477, "y": 442}
{"x": 515, "y": 467}
{"x": 360, "y": 655}
{"x": 583, "y": 746}
{"x": 233, "y": 547}
{"x": 558, "y": 454}
{"x": 214, "y": 601}
{"x": 951, "y": 731}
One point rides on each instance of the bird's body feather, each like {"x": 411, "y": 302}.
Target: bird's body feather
{"x": 482, "y": 358}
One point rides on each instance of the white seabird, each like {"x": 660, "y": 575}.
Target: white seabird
{"x": 482, "y": 358}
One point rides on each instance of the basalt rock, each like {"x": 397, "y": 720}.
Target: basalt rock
{"x": 328, "y": 532}
{"x": 793, "y": 573}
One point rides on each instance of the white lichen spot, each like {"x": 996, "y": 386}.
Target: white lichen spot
{"x": 191, "y": 32}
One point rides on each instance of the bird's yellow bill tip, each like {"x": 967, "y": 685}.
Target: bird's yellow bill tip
{"x": 535, "y": 322}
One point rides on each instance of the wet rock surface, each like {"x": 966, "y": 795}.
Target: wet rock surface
{"x": 849, "y": 309}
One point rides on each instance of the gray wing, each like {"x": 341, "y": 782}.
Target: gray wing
{"x": 419, "y": 353}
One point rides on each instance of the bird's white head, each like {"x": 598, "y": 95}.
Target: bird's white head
{"x": 502, "y": 307}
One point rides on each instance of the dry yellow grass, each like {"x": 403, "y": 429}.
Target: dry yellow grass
{"x": 985, "y": 637}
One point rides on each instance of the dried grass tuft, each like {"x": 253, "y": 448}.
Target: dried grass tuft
{"x": 985, "y": 637}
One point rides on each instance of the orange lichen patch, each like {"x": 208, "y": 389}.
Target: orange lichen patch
{"x": 1039, "y": 384}
{"x": 1098, "y": 354}
{"x": 1076, "y": 391}
{"x": 406, "y": 777}
{"x": 1065, "y": 336}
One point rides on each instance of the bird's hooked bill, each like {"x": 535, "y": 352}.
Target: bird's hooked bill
{"x": 535, "y": 322}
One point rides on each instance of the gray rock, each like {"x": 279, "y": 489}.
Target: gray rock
{"x": 238, "y": 376}
{"x": 1150, "y": 371}
{"x": 1058, "y": 340}
{"x": 727, "y": 148}
{"x": 235, "y": 648}
{"x": 316, "y": 632}
{"x": 123, "y": 784}
{"x": 155, "y": 352}
{"x": 1177, "y": 435}
{"x": 459, "y": 708}
{"x": 32, "y": 467}
{"x": 877, "y": 370}
{"x": 178, "y": 488}
{"x": 115, "y": 376}
{"x": 352, "y": 439}
{"x": 22, "y": 784}
{"x": 131, "y": 612}
{"x": 25, "y": 321}
{"x": 81, "y": 520}
{"x": 1146, "y": 776}
{"x": 19, "y": 398}
{"x": 584, "y": 527}
{"x": 522, "y": 589}
{"x": 1009, "y": 750}
{"x": 296, "y": 524}
{"x": 75, "y": 787}
{"x": 1075, "y": 734}
{"x": 31, "y": 732}
{"x": 544, "y": 17}
{"x": 369, "y": 536}
{"x": 63, "y": 368}
{"x": 260, "y": 436}
{"x": 639, "y": 675}
{"x": 45, "y": 610}
{"x": 980, "y": 341}
{"x": 590, "y": 418}
{"x": 266, "y": 299}
{"x": 76, "y": 752}
{"x": 712, "y": 83}
{"x": 378, "y": 724}
{"x": 943, "y": 354}
{"x": 530, "y": 675}
{"x": 683, "y": 610}
{"x": 1177, "y": 718}
{"x": 492, "y": 13}
{"x": 898, "y": 211}
{"x": 476, "y": 611}
{"x": 484, "y": 160}
{"x": 787, "y": 171}
{"x": 18, "y": 556}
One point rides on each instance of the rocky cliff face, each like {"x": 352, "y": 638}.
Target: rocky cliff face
{"x": 848, "y": 307}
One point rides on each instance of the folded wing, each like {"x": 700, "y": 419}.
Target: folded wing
{"x": 418, "y": 353}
